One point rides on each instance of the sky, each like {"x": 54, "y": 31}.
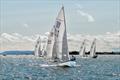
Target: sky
{"x": 30, "y": 17}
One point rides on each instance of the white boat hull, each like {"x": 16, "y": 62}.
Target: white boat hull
{"x": 67, "y": 64}
{"x": 84, "y": 57}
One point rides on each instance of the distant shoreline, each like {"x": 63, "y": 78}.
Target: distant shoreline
{"x": 98, "y": 53}
{"x": 28, "y": 52}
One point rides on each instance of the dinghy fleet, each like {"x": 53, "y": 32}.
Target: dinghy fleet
{"x": 57, "y": 46}
{"x": 82, "y": 51}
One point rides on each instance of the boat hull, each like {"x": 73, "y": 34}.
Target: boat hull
{"x": 67, "y": 64}
{"x": 94, "y": 56}
{"x": 84, "y": 57}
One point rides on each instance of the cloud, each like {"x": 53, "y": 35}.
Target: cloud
{"x": 26, "y": 25}
{"x": 104, "y": 42}
{"x": 79, "y": 6}
{"x": 47, "y": 33}
{"x": 89, "y": 17}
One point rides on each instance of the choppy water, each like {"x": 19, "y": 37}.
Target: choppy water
{"x": 31, "y": 68}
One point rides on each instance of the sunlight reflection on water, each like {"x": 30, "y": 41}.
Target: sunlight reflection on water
{"x": 31, "y": 68}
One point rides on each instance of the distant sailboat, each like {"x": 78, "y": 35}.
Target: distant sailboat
{"x": 59, "y": 47}
{"x": 93, "y": 49}
{"x": 50, "y": 43}
{"x": 37, "y": 51}
{"x": 55, "y": 51}
{"x": 83, "y": 50}
{"x": 43, "y": 50}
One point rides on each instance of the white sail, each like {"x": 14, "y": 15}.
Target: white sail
{"x": 59, "y": 46}
{"x": 44, "y": 50}
{"x": 93, "y": 49}
{"x": 61, "y": 37}
{"x": 37, "y": 51}
{"x": 55, "y": 50}
{"x": 82, "y": 50}
{"x": 50, "y": 44}
{"x": 57, "y": 38}
{"x": 65, "y": 52}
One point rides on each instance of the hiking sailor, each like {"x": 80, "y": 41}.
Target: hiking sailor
{"x": 73, "y": 58}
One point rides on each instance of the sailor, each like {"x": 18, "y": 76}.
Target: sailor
{"x": 72, "y": 58}
{"x": 45, "y": 53}
{"x": 56, "y": 59}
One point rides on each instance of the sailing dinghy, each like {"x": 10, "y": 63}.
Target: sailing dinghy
{"x": 37, "y": 51}
{"x": 58, "y": 42}
{"x": 83, "y": 50}
{"x": 93, "y": 49}
{"x": 50, "y": 43}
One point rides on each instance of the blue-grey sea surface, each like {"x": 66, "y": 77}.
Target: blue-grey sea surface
{"x": 28, "y": 67}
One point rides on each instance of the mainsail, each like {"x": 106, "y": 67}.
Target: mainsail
{"x": 82, "y": 50}
{"x": 37, "y": 51}
{"x": 93, "y": 49}
{"x": 63, "y": 45}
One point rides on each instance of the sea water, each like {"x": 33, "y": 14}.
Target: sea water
{"x": 29, "y": 67}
